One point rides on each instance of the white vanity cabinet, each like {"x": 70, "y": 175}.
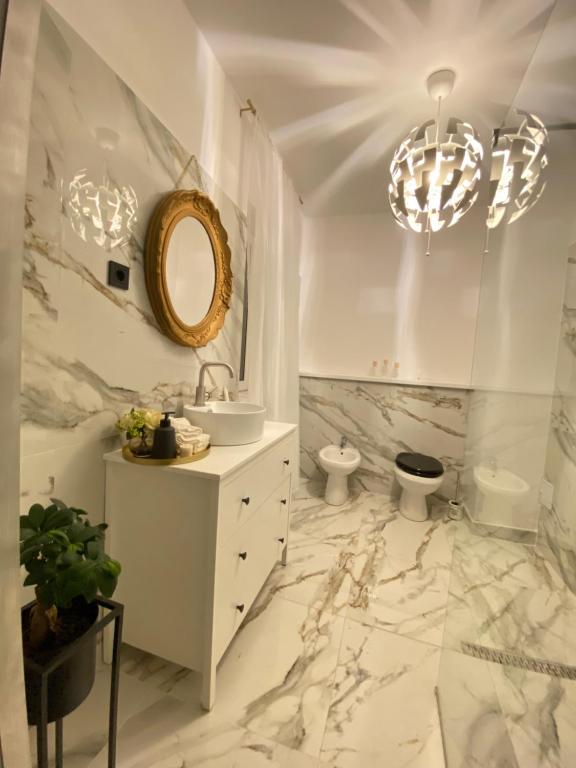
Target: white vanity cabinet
{"x": 196, "y": 543}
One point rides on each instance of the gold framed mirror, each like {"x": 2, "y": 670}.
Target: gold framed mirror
{"x": 187, "y": 265}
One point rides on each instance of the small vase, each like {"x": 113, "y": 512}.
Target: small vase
{"x": 139, "y": 446}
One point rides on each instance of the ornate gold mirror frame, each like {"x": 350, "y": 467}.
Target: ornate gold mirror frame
{"x": 169, "y": 211}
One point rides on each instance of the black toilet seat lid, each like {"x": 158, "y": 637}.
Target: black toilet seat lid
{"x": 419, "y": 464}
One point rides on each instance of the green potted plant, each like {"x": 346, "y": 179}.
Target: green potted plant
{"x": 65, "y": 562}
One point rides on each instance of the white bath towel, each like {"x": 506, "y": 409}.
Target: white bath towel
{"x": 183, "y": 426}
{"x": 201, "y": 443}
{"x": 195, "y": 445}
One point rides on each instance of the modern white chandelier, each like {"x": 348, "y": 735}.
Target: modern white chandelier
{"x": 435, "y": 175}
{"x": 518, "y": 160}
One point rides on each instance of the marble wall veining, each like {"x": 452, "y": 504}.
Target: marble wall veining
{"x": 558, "y": 524}
{"x": 381, "y": 420}
{"x": 90, "y": 351}
{"x": 18, "y": 35}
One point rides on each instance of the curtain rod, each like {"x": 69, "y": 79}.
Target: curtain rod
{"x": 249, "y": 108}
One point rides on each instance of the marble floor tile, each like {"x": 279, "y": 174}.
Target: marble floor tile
{"x": 474, "y": 727}
{"x": 383, "y": 709}
{"x": 489, "y": 559}
{"x": 86, "y": 729}
{"x": 540, "y": 714}
{"x": 312, "y": 518}
{"x": 497, "y": 716}
{"x": 402, "y": 574}
{"x": 169, "y": 735}
{"x": 275, "y": 678}
{"x": 317, "y": 573}
{"x": 163, "y": 676}
{"x": 337, "y": 661}
{"x": 503, "y": 596}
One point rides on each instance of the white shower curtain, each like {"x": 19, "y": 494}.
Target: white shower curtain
{"x": 275, "y": 228}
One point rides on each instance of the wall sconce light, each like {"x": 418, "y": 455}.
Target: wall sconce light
{"x": 103, "y": 212}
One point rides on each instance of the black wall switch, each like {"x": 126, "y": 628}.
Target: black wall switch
{"x": 118, "y": 275}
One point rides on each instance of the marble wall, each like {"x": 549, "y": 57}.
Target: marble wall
{"x": 558, "y": 525}
{"x": 90, "y": 351}
{"x": 18, "y": 35}
{"x": 382, "y": 419}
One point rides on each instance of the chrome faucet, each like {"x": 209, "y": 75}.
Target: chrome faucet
{"x": 492, "y": 464}
{"x": 343, "y": 442}
{"x": 200, "y": 389}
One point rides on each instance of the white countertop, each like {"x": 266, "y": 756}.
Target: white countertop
{"x": 222, "y": 459}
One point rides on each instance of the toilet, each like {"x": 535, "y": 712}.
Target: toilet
{"x": 338, "y": 462}
{"x": 419, "y": 475}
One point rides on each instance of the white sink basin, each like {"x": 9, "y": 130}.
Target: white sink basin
{"x": 500, "y": 482}
{"x": 228, "y": 423}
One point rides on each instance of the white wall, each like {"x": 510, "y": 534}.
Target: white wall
{"x": 370, "y": 292}
{"x": 158, "y": 50}
{"x": 520, "y": 306}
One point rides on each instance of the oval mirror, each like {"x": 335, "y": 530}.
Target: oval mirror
{"x": 188, "y": 271}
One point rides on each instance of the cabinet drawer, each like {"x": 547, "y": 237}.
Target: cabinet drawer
{"x": 241, "y": 496}
{"x": 244, "y": 563}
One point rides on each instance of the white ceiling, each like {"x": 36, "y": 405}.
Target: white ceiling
{"x": 340, "y": 82}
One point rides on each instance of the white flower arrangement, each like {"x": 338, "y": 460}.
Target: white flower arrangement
{"x": 138, "y": 422}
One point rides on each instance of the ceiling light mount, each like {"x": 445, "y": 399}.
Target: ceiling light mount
{"x": 440, "y": 84}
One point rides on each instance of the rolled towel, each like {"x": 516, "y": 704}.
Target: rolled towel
{"x": 201, "y": 443}
{"x": 197, "y": 442}
{"x": 182, "y": 425}
{"x": 183, "y": 439}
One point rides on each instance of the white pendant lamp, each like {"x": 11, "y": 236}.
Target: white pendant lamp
{"x": 434, "y": 173}
{"x": 516, "y": 174}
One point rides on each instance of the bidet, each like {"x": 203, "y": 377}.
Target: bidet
{"x": 502, "y": 493}
{"x": 338, "y": 461}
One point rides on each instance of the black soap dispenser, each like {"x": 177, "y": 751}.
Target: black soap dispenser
{"x": 164, "y": 445}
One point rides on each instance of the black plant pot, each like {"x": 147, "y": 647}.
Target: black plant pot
{"x": 71, "y": 682}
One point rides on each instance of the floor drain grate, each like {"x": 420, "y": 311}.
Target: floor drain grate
{"x": 551, "y": 668}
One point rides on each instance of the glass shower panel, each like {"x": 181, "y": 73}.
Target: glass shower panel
{"x": 507, "y": 683}
{"x": 518, "y": 328}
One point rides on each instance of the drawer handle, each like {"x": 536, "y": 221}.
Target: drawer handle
{"x": 283, "y": 501}
{"x": 281, "y": 540}
{"x": 243, "y": 555}
{"x": 246, "y": 500}
{"x": 287, "y": 461}
{"x": 240, "y": 607}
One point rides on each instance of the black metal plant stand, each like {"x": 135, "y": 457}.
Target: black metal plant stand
{"x": 115, "y": 613}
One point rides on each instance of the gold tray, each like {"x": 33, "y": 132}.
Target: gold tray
{"x": 129, "y": 456}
